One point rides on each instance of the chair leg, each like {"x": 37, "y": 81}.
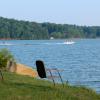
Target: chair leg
{"x": 52, "y": 77}
{"x": 60, "y": 77}
{"x": 1, "y": 75}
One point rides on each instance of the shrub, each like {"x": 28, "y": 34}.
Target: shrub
{"x": 5, "y": 56}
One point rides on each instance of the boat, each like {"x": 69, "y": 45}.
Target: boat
{"x": 51, "y": 38}
{"x": 69, "y": 42}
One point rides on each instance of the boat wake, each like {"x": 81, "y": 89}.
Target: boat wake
{"x": 30, "y": 44}
{"x": 5, "y": 44}
{"x": 64, "y": 43}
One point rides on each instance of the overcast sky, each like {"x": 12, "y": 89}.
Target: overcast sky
{"x": 79, "y": 12}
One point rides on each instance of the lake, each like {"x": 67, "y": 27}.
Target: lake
{"x": 81, "y": 60}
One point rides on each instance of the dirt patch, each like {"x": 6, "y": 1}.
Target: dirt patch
{"x": 25, "y": 70}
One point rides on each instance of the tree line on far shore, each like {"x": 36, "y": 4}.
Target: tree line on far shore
{"x": 15, "y": 29}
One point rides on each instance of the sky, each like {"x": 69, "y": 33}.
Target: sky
{"x": 79, "y": 12}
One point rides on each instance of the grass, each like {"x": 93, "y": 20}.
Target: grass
{"x": 18, "y": 87}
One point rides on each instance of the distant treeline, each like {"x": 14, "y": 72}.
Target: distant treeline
{"x": 14, "y": 29}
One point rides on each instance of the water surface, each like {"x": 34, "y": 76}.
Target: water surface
{"x": 81, "y": 60}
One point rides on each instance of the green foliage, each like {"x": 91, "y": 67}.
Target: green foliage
{"x": 14, "y": 29}
{"x": 5, "y": 56}
{"x": 57, "y": 35}
{"x": 18, "y": 87}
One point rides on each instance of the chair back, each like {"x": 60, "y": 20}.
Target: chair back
{"x": 41, "y": 69}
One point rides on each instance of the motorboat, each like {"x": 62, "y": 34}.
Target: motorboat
{"x": 69, "y": 42}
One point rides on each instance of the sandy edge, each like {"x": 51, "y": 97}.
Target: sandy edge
{"x": 25, "y": 70}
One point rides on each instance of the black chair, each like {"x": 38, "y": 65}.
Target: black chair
{"x": 42, "y": 72}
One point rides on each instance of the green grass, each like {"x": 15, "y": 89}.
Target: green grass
{"x": 18, "y": 87}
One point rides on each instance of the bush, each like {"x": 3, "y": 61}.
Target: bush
{"x": 5, "y": 56}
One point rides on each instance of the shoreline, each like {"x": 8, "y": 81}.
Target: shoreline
{"x": 23, "y": 70}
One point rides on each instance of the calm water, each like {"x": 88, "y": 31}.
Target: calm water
{"x": 81, "y": 61}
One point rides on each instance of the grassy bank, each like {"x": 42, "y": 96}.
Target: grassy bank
{"x": 18, "y": 87}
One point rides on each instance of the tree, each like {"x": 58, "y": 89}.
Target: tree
{"x": 14, "y": 29}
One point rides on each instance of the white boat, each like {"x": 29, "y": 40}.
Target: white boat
{"x": 69, "y": 42}
{"x": 51, "y": 38}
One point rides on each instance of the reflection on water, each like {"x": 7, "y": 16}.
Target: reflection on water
{"x": 79, "y": 60}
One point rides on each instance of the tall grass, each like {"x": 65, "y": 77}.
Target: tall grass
{"x": 18, "y": 87}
